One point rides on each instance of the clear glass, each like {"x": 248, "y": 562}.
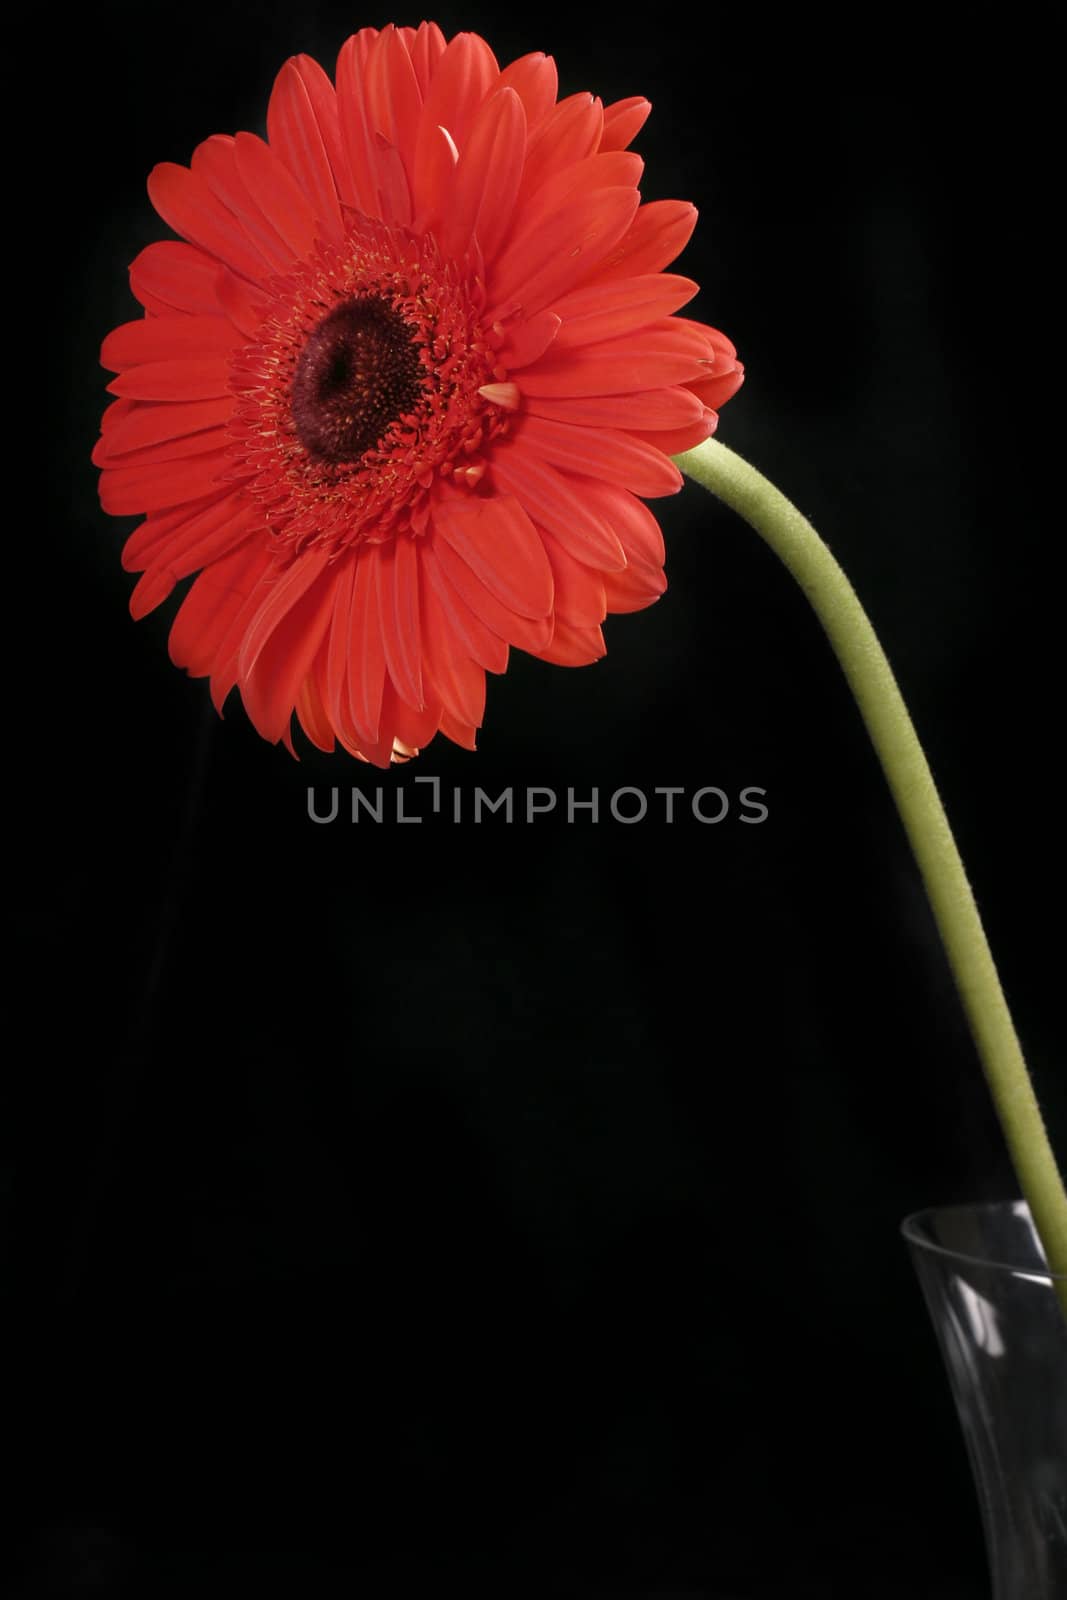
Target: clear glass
{"x": 1004, "y": 1340}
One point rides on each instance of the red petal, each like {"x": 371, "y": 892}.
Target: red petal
{"x": 603, "y": 311}
{"x": 366, "y": 653}
{"x": 338, "y": 644}
{"x": 357, "y": 134}
{"x": 276, "y": 192}
{"x": 536, "y": 271}
{"x": 464, "y": 75}
{"x": 673, "y": 441}
{"x": 180, "y": 449}
{"x": 206, "y": 379}
{"x": 165, "y": 338}
{"x": 434, "y": 177}
{"x": 357, "y": 685}
{"x": 534, "y": 79}
{"x": 528, "y": 340}
{"x": 117, "y": 412}
{"x": 502, "y": 548}
{"x": 426, "y": 50}
{"x": 715, "y": 392}
{"x": 647, "y": 410}
{"x": 398, "y": 614}
{"x": 655, "y": 357}
{"x": 570, "y": 132}
{"x": 150, "y": 591}
{"x": 458, "y": 681}
{"x": 303, "y": 129}
{"x": 659, "y": 233}
{"x": 635, "y": 525}
{"x": 289, "y": 586}
{"x": 572, "y": 646}
{"x": 223, "y": 668}
{"x": 633, "y": 589}
{"x": 243, "y": 303}
{"x": 525, "y": 633}
{"x": 146, "y": 541}
{"x": 159, "y": 579}
{"x": 205, "y": 538}
{"x": 459, "y": 732}
{"x": 411, "y": 727}
{"x": 127, "y": 491}
{"x": 577, "y": 184}
{"x": 611, "y": 454}
{"x": 312, "y": 713}
{"x": 471, "y": 638}
{"x": 560, "y": 504}
{"x": 187, "y": 205}
{"x": 177, "y": 274}
{"x": 215, "y": 162}
{"x": 579, "y": 590}
{"x": 623, "y": 121}
{"x": 377, "y": 751}
{"x": 270, "y": 686}
{"x": 212, "y": 605}
{"x": 394, "y": 186}
{"x": 487, "y": 176}
{"x": 141, "y": 425}
{"x": 393, "y": 95}
{"x": 720, "y": 348}
{"x": 380, "y": 754}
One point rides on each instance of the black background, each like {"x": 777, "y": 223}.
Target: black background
{"x": 513, "y": 1209}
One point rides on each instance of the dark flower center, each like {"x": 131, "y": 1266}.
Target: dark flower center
{"x": 358, "y": 372}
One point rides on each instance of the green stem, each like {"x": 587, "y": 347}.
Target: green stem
{"x": 871, "y": 679}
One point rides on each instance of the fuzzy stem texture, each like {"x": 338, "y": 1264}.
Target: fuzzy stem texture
{"x": 871, "y": 680}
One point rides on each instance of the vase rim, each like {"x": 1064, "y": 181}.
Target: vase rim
{"x": 916, "y": 1230}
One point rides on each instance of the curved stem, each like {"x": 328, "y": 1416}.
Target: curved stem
{"x": 871, "y": 679}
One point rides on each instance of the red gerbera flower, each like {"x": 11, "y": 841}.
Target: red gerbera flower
{"x": 397, "y": 390}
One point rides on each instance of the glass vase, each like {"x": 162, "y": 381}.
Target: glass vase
{"x": 1003, "y": 1336}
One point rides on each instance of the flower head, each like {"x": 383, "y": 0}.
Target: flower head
{"x": 398, "y": 388}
